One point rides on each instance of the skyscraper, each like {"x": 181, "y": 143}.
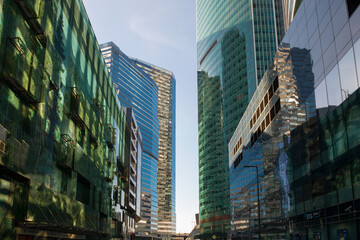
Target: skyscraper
{"x": 166, "y": 83}
{"x": 138, "y": 90}
{"x": 259, "y": 140}
{"x": 132, "y": 170}
{"x": 236, "y": 41}
{"x": 307, "y": 149}
{"x": 62, "y": 127}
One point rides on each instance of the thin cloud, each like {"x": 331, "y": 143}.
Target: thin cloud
{"x": 147, "y": 28}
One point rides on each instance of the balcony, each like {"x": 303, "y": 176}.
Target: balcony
{"x": 76, "y": 109}
{"x": 3, "y": 136}
{"x": 63, "y": 152}
{"x": 31, "y": 18}
{"x": 20, "y": 91}
{"x": 133, "y": 145}
{"x": 133, "y": 156}
{"x": 132, "y": 170}
{"x": 87, "y": 165}
{"x": 98, "y": 110}
{"x": 23, "y": 71}
{"x": 110, "y": 136}
{"x": 108, "y": 173}
{"x": 93, "y": 140}
{"x": 120, "y": 171}
{"x": 2, "y": 147}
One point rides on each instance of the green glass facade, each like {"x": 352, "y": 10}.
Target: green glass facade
{"x": 62, "y": 128}
{"x": 236, "y": 41}
{"x": 213, "y": 179}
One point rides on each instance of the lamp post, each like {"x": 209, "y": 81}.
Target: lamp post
{"x": 258, "y": 196}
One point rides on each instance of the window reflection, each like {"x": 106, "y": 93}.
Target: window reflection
{"x": 348, "y": 74}
{"x": 357, "y": 57}
{"x": 321, "y": 99}
{"x": 333, "y": 88}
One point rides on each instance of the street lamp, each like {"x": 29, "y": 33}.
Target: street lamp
{"x": 258, "y": 195}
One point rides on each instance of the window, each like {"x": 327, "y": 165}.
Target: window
{"x": 18, "y": 44}
{"x": 267, "y": 119}
{"x": 115, "y": 195}
{"x": 266, "y": 99}
{"x": 270, "y": 92}
{"x": 333, "y": 87}
{"x": 272, "y": 113}
{"x": 321, "y": 99}
{"x": 238, "y": 160}
{"x": 348, "y": 77}
{"x": 252, "y": 140}
{"x": 261, "y": 106}
{"x": 82, "y": 190}
{"x": 277, "y": 106}
{"x": 65, "y": 179}
{"x": 276, "y": 83}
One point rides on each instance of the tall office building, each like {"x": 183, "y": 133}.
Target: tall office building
{"x": 136, "y": 89}
{"x": 132, "y": 172}
{"x": 62, "y": 127}
{"x": 166, "y": 83}
{"x": 236, "y": 41}
{"x": 307, "y": 150}
{"x": 259, "y": 142}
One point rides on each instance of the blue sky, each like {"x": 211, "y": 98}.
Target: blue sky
{"x": 162, "y": 32}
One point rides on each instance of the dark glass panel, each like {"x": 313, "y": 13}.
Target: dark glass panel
{"x": 352, "y": 5}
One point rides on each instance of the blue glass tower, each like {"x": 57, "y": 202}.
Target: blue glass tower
{"x": 136, "y": 89}
{"x": 166, "y": 83}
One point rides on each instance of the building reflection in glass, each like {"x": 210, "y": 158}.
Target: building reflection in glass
{"x": 213, "y": 180}
{"x": 324, "y": 173}
{"x": 308, "y": 156}
{"x": 283, "y": 100}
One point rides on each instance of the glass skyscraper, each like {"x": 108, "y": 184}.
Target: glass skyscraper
{"x": 260, "y": 141}
{"x": 307, "y": 150}
{"x": 235, "y": 41}
{"x": 136, "y": 89}
{"x": 166, "y": 83}
{"x": 62, "y": 127}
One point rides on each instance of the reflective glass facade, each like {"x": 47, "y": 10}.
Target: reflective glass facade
{"x": 62, "y": 128}
{"x": 213, "y": 179}
{"x": 165, "y": 80}
{"x": 136, "y": 89}
{"x": 236, "y": 41}
{"x": 133, "y": 155}
{"x": 259, "y": 141}
{"x": 314, "y": 163}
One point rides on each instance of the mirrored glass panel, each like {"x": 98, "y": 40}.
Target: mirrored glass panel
{"x": 321, "y": 99}
{"x": 357, "y": 57}
{"x": 348, "y": 77}
{"x": 333, "y": 87}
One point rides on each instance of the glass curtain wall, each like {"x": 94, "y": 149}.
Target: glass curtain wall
{"x": 136, "y": 89}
